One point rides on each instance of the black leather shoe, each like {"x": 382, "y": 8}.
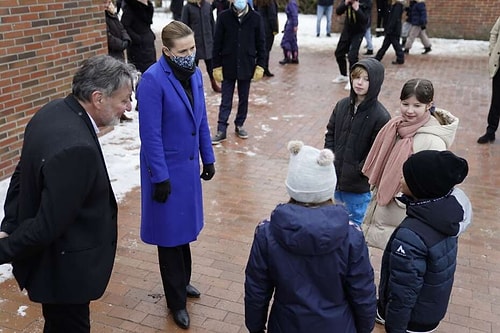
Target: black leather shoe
{"x": 192, "y": 291}
{"x": 268, "y": 73}
{"x": 181, "y": 318}
{"x": 488, "y": 137}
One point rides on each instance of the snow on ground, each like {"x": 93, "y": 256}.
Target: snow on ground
{"x": 121, "y": 146}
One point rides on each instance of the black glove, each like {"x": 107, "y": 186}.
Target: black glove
{"x": 162, "y": 191}
{"x": 208, "y": 171}
{"x": 422, "y": 27}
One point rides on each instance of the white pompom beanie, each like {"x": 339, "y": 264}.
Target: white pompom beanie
{"x": 311, "y": 175}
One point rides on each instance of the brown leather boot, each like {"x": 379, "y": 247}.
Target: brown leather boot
{"x": 215, "y": 86}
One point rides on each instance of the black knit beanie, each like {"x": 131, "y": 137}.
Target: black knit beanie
{"x": 432, "y": 174}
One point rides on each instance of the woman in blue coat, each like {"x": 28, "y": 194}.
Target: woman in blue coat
{"x": 174, "y": 136}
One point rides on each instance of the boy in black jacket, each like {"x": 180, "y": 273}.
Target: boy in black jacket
{"x": 420, "y": 258}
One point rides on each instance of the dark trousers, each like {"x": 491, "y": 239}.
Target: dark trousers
{"x": 388, "y": 41}
{"x": 269, "y": 47}
{"x": 209, "y": 66}
{"x": 381, "y": 12}
{"x": 227, "y": 103}
{"x": 494, "y": 113}
{"x": 64, "y": 318}
{"x": 175, "y": 270}
{"x": 348, "y": 44}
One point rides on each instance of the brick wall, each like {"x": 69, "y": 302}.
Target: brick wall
{"x": 42, "y": 42}
{"x": 457, "y": 19}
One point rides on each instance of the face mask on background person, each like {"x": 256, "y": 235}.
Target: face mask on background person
{"x": 240, "y": 4}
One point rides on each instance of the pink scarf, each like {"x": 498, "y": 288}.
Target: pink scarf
{"x": 391, "y": 148}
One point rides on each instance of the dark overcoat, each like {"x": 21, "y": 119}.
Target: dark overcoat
{"x": 60, "y": 210}
{"x": 239, "y": 45}
{"x": 137, "y": 19}
{"x": 201, "y": 20}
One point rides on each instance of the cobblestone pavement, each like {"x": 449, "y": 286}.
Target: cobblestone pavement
{"x": 294, "y": 104}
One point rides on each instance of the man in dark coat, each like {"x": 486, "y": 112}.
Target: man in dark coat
{"x": 239, "y": 55}
{"x": 60, "y": 224}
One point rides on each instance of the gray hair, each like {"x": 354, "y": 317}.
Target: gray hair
{"x": 101, "y": 73}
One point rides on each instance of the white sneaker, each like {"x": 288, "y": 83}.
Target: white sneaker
{"x": 340, "y": 79}
{"x": 347, "y": 86}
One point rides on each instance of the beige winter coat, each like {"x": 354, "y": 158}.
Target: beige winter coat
{"x": 494, "y": 49}
{"x": 380, "y": 221}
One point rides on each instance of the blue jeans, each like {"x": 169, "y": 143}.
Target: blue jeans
{"x": 227, "y": 103}
{"x": 327, "y": 11}
{"x": 355, "y": 203}
{"x": 368, "y": 38}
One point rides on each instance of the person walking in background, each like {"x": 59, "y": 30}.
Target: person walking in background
{"x": 351, "y": 130}
{"x": 239, "y": 57}
{"x": 197, "y": 14}
{"x": 419, "y": 262}
{"x": 406, "y": 25}
{"x": 309, "y": 258}
{"x": 381, "y": 16}
{"x": 137, "y": 19}
{"x": 60, "y": 225}
{"x": 368, "y": 31}
{"x": 356, "y": 18}
{"x": 289, "y": 40}
{"x": 174, "y": 134}
{"x": 324, "y": 8}
{"x": 176, "y": 9}
{"x": 494, "y": 62}
{"x": 118, "y": 38}
{"x": 392, "y": 33}
{"x": 418, "y": 21}
{"x": 268, "y": 10}
{"x": 420, "y": 126}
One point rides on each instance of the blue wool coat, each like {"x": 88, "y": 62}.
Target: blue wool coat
{"x": 316, "y": 266}
{"x": 174, "y": 136}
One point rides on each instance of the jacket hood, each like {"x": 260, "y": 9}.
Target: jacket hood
{"x": 376, "y": 76}
{"x": 446, "y": 126}
{"x": 309, "y": 231}
{"x": 450, "y": 215}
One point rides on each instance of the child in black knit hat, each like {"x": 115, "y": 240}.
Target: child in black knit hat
{"x": 419, "y": 261}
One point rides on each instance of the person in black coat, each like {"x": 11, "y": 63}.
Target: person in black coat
{"x": 239, "y": 56}
{"x": 355, "y": 23}
{"x": 60, "y": 224}
{"x": 419, "y": 261}
{"x": 268, "y": 9}
{"x": 176, "y": 9}
{"x": 137, "y": 19}
{"x": 118, "y": 38}
{"x": 392, "y": 30}
{"x": 198, "y": 15}
{"x": 351, "y": 131}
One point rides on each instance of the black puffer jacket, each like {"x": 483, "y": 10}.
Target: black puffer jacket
{"x": 350, "y": 134}
{"x": 118, "y": 38}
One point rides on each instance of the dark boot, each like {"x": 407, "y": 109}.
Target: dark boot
{"x": 295, "y": 57}
{"x": 215, "y": 86}
{"x": 287, "y": 58}
{"x": 268, "y": 73}
{"x": 427, "y": 50}
{"x": 488, "y": 137}
{"x": 403, "y": 42}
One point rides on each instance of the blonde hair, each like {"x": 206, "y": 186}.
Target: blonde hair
{"x": 173, "y": 31}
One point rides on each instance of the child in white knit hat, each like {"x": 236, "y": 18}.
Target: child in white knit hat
{"x": 309, "y": 258}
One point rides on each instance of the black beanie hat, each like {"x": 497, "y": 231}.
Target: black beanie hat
{"x": 432, "y": 174}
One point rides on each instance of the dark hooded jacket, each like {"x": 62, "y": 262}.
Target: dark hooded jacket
{"x": 419, "y": 261}
{"x": 316, "y": 264}
{"x": 350, "y": 132}
{"x": 118, "y": 38}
